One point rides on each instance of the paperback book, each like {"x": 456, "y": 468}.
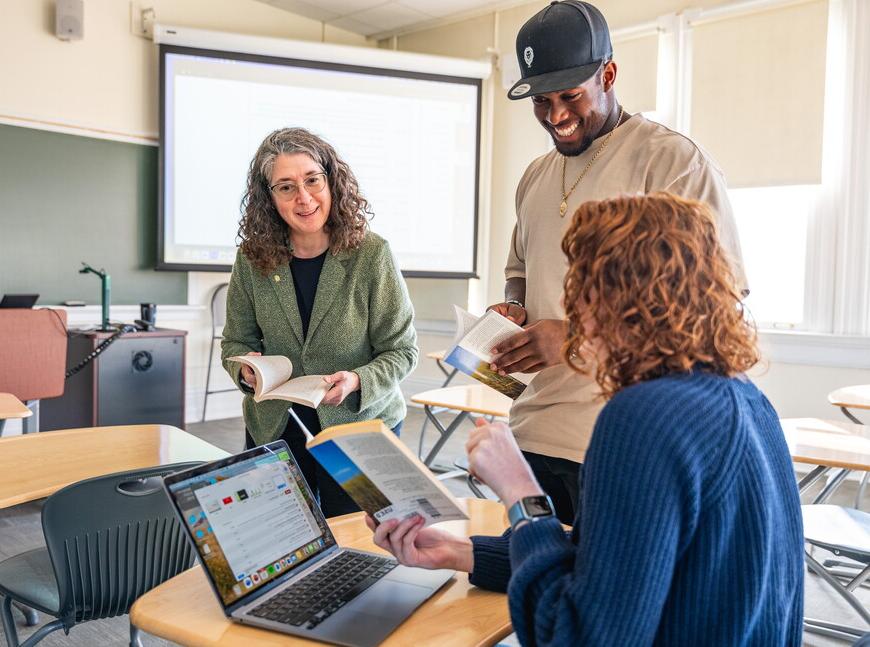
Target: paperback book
{"x": 471, "y": 350}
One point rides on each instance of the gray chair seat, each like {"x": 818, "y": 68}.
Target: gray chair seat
{"x": 29, "y": 578}
{"x": 843, "y": 531}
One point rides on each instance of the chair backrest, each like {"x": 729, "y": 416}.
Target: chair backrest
{"x": 111, "y": 539}
{"x": 32, "y": 352}
{"x": 219, "y": 309}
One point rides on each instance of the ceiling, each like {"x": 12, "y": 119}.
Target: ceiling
{"x": 380, "y": 17}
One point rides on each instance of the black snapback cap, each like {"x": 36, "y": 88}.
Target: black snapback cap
{"x": 560, "y": 47}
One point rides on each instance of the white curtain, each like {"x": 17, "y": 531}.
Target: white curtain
{"x": 846, "y": 167}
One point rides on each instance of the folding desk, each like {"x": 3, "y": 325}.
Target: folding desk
{"x": 467, "y": 399}
{"x": 11, "y": 407}
{"x": 35, "y": 465}
{"x": 186, "y": 611}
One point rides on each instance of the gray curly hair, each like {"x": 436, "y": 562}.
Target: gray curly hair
{"x": 265, "y": 237}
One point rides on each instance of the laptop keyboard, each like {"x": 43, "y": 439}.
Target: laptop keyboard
{"x": 317, "y": 596}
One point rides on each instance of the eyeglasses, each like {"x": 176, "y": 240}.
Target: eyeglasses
{"x": 287, "y": 191}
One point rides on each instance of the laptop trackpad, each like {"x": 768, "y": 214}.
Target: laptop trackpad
{"x": 369, "y": 619}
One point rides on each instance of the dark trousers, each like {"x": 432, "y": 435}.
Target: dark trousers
{"x": 332, "y": 498}
{"x": 560, "y": 479}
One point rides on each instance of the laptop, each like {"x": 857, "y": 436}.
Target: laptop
{"x": 18, "y": 300}
{"x": 273, "y": 561}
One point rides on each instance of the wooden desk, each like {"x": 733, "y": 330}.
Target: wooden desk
{"x": 854, "y": 397}
{"x": 851, "y": 397}
{"x": 34, "y": 466}
{"x": 829, "y": 443}
{"x": 472, "y": 398}
{"x": 12, "y": 407}
{"x": 186, "y": 611}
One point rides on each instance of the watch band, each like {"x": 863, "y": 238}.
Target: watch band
{"x": 516, "y": 303}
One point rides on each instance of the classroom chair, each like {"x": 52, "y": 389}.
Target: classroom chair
{"x": 845, "y": 532}
{"x": 108, "y": 540}
{"x": 33, "y": 357}
{"x": 218, "y": 320}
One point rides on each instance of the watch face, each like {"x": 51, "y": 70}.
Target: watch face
{"x": 537, "y": 506}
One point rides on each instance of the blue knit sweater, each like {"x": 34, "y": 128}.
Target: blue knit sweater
{"x": 689, "y": 531}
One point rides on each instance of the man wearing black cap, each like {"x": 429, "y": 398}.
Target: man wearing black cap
{"x": 601, "y": 151}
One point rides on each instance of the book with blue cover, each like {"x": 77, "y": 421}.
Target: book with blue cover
{"x": 471, "y": 350}
{"x": 381, "y": 474}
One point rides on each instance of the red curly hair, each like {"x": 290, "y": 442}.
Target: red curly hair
{"x": 650, "y": 292}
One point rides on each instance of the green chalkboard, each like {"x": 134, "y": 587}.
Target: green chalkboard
{"x": 65, "y": 199}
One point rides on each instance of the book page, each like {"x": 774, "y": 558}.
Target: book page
{"x": 308, "y": 390}
{"x": 464, "y": 322}
{"x": 271, "y": 370}
{"x": 383, "y": 481}
{"x": 489, "y": 331}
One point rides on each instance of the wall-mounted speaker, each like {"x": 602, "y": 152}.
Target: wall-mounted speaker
{"x": 69, "y": 19}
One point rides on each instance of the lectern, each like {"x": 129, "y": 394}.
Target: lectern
{"x": 138, "y": 379}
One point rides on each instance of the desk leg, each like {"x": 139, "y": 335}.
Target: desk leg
{"x": 850, "y": 416}
{"x": 135, "y": 638}
{"x": 31, "y": 424}
{"x": 448, "y": 376}
{"x": 814, "y": 475}
{"x": 831, "y": 486}
{"x": 818, "y": 626}
{"x": 445, "y": 432}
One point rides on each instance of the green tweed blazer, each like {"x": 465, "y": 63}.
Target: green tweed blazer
{"x": 361, "y": 321}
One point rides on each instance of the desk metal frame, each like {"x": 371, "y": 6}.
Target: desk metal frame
{"x": 448, "y": 377}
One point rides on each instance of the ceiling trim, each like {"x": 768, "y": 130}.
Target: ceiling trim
{"x": 443, "y": 21}
{"x": 327, "y": 52}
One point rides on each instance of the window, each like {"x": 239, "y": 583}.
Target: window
{"x": 773, "y": 223}
{"x": 777, "y": 92}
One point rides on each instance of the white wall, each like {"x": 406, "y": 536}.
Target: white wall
{"x": 109, "y": 80}
{"x": 800, "y": 390}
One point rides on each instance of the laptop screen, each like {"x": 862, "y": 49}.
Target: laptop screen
{"x": 252, "y": 518}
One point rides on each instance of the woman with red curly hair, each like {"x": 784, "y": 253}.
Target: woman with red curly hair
{"x": 689, "y": 531}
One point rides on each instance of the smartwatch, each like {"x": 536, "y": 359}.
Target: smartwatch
{"x": 531, "y": 508}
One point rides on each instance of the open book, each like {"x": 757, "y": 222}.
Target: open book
{"x": 381, "y": 474}
{"x": 273, "y": 380}
{"x": 471, "y": 350}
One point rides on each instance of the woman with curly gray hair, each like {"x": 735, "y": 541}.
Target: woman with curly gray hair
{"x": 313, "y": 283}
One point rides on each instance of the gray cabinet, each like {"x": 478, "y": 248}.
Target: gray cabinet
{"x": 138, "y": 379}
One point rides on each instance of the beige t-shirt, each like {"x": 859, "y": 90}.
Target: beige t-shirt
{"x": 554, "y": 416}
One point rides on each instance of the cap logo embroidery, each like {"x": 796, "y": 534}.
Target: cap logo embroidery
{"x": 528, "y": 56}
{"x": 521, "y": 89}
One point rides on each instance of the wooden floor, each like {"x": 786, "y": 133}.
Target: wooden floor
{"x": 20, "y": 530}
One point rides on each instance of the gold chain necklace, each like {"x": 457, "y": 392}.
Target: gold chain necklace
{"x": 563, "y": 206}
